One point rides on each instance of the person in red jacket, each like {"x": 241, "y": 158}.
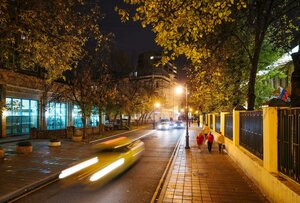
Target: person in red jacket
{"x": 210, "y": 140}
{"x": 200, "y": 139}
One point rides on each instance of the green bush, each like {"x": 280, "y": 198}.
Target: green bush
{"x": 23, "y": 144}
{"x": 54, "y": 140}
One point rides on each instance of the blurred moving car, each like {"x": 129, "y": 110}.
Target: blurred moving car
{"x": 179, "y": 124}
{"x": 165, "y": 125}
{"x": 114, "y": 157}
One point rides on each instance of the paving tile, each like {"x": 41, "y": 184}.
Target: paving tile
{"x": 209, "y": 177}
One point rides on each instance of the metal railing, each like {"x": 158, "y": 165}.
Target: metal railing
{"x": 251, "y": 132}
{"x": 288, "y": 142}
{"x": 228, "y": 126}
{"x": 218, "y": 123}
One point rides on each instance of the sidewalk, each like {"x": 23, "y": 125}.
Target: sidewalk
{"x": 21, "y": 172}
{"x": 196, "y": 176}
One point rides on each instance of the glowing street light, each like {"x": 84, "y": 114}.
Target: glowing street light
{"x": 156, "y": 106}
{"x": 179, "y": 90}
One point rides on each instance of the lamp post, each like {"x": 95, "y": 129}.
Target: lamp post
{"x": 179, "y": 90}
{"x": 156, "y": 105}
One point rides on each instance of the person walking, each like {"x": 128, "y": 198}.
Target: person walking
{"x": 206, "y": 130}
{"x": 198, "y": 122}
{"x": 200, "y": 139}
{"x": 220, "y": 140}
{"x": 210, "y": 140}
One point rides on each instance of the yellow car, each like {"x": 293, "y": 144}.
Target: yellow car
{"x": 115, "y": 156}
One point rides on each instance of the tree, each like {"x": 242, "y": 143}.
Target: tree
{"x": 182, "y": 26}
{"x": 185, "y": 27}
{"x": 263, "y": 22}
{"x": 105, "y": 89}
{"x": 80, "y": 90}
{"x": 48, "y": 35}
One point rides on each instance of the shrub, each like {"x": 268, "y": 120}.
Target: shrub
{"x": 54, "y": 140}
{"x": 23, "y": 144}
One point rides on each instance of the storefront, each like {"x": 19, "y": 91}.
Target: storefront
{"x": 21, "y": 115}
{"x": 77, "y": 116}
{"x": 95, "y": 117}
{"x": 56, "y": 115}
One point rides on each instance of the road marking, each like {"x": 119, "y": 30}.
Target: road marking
{"x": 164, "y": 176}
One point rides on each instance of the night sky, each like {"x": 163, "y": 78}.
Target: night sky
{"x": 130, "y": 36}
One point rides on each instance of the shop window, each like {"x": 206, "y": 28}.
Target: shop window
{"x": 21, "y": 115}
{"x": 77, "y": 116}
{"x": 56, "y": 116}
{"x": 95, "y": 117}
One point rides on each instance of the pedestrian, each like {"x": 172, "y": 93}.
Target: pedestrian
{"x": 220, "y": 140}
{"x": 200, "y": 139}
{"x": 198, "y": 122}
{"x": 210, "y": 140}
{"x": 206, "y": 130}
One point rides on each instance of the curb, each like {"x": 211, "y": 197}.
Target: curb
{"x": 161, "y": 188}
{"x": 10, "y": 196}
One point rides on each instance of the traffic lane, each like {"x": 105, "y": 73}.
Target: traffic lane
{"x": 134, "y": 134}
{"x": 137, "y": 184}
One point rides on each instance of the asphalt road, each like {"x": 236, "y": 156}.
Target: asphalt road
{"x": 137, "y": 184}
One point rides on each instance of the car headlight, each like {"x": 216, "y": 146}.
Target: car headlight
{"x": 78, "y": 167}
{"x": 107, "y": 169}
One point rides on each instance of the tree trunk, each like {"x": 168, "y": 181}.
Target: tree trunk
{"x": 101, "y": 126}
{"x": 114, "y": 121}
{"x": 121, "y": 121}
{"x": 144, "y": 118}
{"x": 252, "y": 77}
{"x": 139, "y": 120}
{"x": 84, "y": 125}
{"x": 129, "y": 121}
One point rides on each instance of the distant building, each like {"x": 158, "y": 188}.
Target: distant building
{"x": 164, "y": 78}
{"x": 286, "y": 65}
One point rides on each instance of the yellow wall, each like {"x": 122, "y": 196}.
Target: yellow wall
{"x": 270, "y": 128}
{"x": 270, "y": 185}
{"x": 263, "y": 172}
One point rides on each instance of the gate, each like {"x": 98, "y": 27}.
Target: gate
{"x": 288, "y": 142}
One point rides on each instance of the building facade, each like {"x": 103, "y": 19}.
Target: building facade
{"x": 24, "y": 106}
{"x": 165, "y": 80}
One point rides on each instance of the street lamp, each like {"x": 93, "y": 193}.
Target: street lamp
{"x": 156, "y": 105}
{"x": 179, "y": 90}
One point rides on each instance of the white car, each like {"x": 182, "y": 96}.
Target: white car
{"x": 163, "y": 125}
{"x": 179, "y": 124}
